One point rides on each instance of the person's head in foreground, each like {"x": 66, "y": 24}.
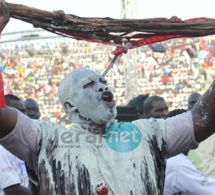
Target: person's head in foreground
{"x": 155, "y": 107}
{"x": 32, "y": 109}
{"x": 14, "y": 102}
{"x": 87, "y": 98}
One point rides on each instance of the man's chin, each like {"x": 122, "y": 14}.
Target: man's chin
{"x": 111, "y": 104}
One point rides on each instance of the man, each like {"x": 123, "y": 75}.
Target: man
{"x": 96, "y": 148}
{"x": 155, "y": 107}
{"x": 32, "y": 108}
{"x": 204, "y": 156}
{"x": 13, "y": 174}
{"x": 97, "y": 155}
{"x": 181, "y": 175}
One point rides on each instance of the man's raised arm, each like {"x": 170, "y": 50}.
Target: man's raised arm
{"x": 204, "y": 115}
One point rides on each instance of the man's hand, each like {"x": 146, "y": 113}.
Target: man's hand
{"x": 175, "y": 19}
{"x": 4, "y": 14}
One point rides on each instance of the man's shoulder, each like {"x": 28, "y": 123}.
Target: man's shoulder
{"x": 151, "y": 126}
{"x": 45, "y": 129}
{"x": 148, "y": 128}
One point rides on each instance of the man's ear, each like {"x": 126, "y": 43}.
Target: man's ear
{"x": 69, "y": 107}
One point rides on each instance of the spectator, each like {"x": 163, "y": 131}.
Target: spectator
{"x": 13, "y": 175}
{"x": 155, "y": 107}
{"x": 32, "y": 109}
{"x": 172, "y": 75}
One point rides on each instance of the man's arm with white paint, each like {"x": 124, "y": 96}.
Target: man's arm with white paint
{"x": 203, "y": 115}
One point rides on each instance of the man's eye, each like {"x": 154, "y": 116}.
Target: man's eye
{"x": 91, "y": 83}
{"x": 103, "y": 81}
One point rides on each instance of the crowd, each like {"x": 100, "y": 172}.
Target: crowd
{"x": 34, "y": 69}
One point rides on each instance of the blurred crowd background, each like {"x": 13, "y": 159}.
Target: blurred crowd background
{"x": 172, "y": 69}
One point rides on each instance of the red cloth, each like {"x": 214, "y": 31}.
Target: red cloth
{"x": 1, "y": 91}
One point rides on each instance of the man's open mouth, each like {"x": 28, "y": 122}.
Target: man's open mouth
{"x": 107, "y": 97}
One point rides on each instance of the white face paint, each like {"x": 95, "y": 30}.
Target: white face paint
{"x": 91, "y": 96}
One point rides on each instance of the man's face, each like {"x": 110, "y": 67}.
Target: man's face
{"x": 92, "y": 97}
{"x": 18, "y": 105}
{"x": 32, "y": 109}
{"x": 159, "y": 109}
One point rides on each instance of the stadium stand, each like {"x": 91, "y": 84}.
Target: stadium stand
{"x": 35, "y": 66}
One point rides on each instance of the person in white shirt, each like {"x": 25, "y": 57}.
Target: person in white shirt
{"x": 13, "y": 174}
{"x": 182, "y": 177}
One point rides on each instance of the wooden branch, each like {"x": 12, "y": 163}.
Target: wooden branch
{"x": 112, "y": 31}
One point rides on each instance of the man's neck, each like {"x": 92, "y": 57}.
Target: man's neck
{"x": 89, "y": 125}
